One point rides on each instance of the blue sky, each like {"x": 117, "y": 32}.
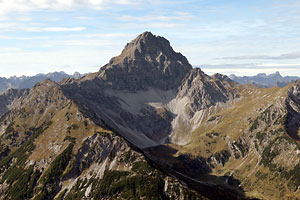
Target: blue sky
{"x": 234, "y": 36}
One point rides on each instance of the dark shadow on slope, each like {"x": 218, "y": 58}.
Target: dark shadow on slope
{"x": 107, "y": 109}
{"x": 194, "y": 173}
{"x": 292, "y": 120}
{"x": 184, "y": 168}
{"x": 292, "y": 123}
{"x": 94, "y": 104}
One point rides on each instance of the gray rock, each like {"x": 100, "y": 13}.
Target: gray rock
{"x": 146, "y": 61}
{"x": 149, "y": 94}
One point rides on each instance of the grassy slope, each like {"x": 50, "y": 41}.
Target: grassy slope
{"x": 46, "y": 166}
{"x": 228, "y": 125}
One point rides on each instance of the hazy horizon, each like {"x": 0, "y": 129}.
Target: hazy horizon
{"x": 240, "y": 37}
{"x": 209, "y": 70}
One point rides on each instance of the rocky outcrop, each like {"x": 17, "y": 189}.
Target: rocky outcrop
{"x": 293, "y": 107}
{"x": 149, "y": 94}
{"x": 203, "y": 90}
{"x": 8, "y": 97}
{"x": 51, "y": 150}
{"x": 146, "y": 61}
{"x": 148, "y": 105}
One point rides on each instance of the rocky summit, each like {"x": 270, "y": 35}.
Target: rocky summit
{"x": 149, "y": 126}
{"x": 146, "y": 61}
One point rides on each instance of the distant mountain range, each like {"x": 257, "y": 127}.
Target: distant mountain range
{"x": 261, "y": 80}
{"x": 29, "y": 81}
{"x": 265, "y": 81}
{"x": 148, "y": 125}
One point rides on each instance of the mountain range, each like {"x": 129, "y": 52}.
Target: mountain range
{"x": 148, "y": 125}
{"x": 265, "y": 81}
{"x": 29, "y": 81}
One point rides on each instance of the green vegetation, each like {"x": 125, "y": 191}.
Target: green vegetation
{"x": 67, "y": 115}
{"x": 50, "y": 178}
{"x": 112, "y": 154}
{"x": 21, "y": 180}
{"x": 213, "y": 134}
{"x": 266, "y": 116}
{"x": 141, "y": 167}
{"x": 222, "y": 156}
{"x": 213, "y": 118}
{"x": 62, "y": 194}
{"x": 69, "y": 138}
{"x": 48, "y": 124}
{"x": 9, "y": 129}
{"x": 85, "y": 122}
{"x": 142, "y": 183}
{"x": 261, "y": 175}
{"x": 191, "y": 195}
{"x": 240, "y": 148}
{"x": 10, "y": 132}
{"x": 22, "y": 153}
{"x": 261, "y": 136}
{"x": 116, "y": 183}
{"x": 256, "y": 145}
{"x": 102, "y": 134}
{"x": 254, "y": 125}
{"x": 74, "y": 126}
{"x": 268, "y": 154}
{"x": 78, "y": 190}
{"x": 128, "y": 157}
{"x": 25, "y": 182}
{"x": 294, "y": 177}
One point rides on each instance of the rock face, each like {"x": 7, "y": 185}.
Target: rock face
{"x": 126, "y": 132}
{"x": 205, "y": 91}
{"x": 7, "y": 99}
{"x": 293, "y": 107}
{"x": 146, "y": 61}
{"x": 50, "y": 150}
{"x": 152, "y": 83}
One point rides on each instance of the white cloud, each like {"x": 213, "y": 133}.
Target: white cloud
{"x": 54, "y": 29}
{"x": 30, "y": 63}
{"x": 158, "y": 17}
{"x": 4, "y": 37}
{"x": 128, "y": 2}
{"x": 84, "y": 18}
{"x": 279, "y": 65}
{"x": 286, "y": 56}
{"x": 105, "y": 35}
{"x": 36, "y": 27}
{"x": 10, "y": 49}
{"x": 79, "y": 43}
{"x": 153, "y": 25}
{"x": 13, "y": 6}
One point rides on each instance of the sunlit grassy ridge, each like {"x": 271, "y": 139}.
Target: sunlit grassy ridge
{"x": 248, "y": 141}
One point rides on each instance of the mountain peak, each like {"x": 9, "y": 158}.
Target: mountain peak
{"x": 143, "y": 38}
{"x": 276, "y": 75}
{"x": 147, "y": 43}
{"x": 47, "y": 83}
{"x": 148, "y": 60}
